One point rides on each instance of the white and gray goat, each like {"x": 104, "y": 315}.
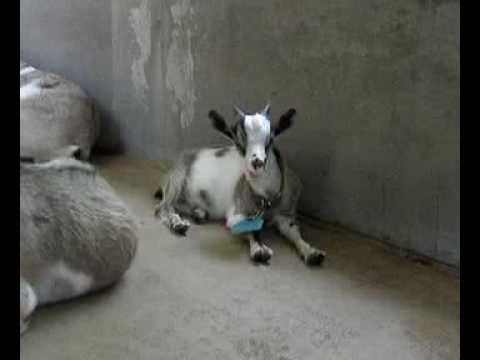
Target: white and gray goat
{"x": 238, "y": 182}
{"x": 57, "y": 118}
{"x": 76, "y": 235}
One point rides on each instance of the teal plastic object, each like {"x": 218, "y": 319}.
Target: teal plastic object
{"x": 247, "y": 225}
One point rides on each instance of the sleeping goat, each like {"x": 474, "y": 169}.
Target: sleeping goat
{"x": 249, "y": 180}
{"x": 76, "y": 236}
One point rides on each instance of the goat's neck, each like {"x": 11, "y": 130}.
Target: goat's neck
{"x": 269, "y": 182}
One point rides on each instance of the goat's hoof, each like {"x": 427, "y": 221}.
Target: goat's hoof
{"x": 262, "y": 254}
{"x": 314, "y": 257}
{"x": 181, "y": 228}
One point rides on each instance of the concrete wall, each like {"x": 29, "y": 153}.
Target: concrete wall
{"x": 72, "y": 38}
{"x": 376, "y": 84}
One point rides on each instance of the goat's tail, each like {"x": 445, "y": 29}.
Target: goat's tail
{"x": 165, "y": 209}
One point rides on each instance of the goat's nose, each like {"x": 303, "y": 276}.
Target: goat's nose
{"x": 257, "y": 164}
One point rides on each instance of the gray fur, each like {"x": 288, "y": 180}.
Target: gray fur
{"x": 57, "y": 118}
{"x": 246, "y": 202}
{"x": 222, "y": 151}
{"x": 240, "y": 137}
{"x": 70, "y": 217}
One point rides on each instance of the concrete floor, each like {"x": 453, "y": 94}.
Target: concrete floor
{"x": 199, "y": 297}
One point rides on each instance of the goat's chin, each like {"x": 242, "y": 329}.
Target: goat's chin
{"x": 252, "y": 173}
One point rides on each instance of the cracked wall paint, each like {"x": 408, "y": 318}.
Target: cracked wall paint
{"x": 180, "y": 64}
{"x": 140, "y": 21}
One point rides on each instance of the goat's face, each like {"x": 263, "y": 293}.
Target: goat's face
{"x": 257, "y": 135}
{"x": 253, "y": 135}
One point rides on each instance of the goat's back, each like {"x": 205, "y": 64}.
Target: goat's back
{"x": 70, "y": 218}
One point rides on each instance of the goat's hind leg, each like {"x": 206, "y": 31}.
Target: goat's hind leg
{"x": 197, "y": 214}
{"x": 193, "y": 212}
{"x": 173, "y": 204}
{"x": 28, "y": 303}
{"x": 172, "y": 219}
{"x": 289, "y": 228}
{"x": 178, "y": 224}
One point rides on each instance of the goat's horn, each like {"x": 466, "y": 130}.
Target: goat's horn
{"x": 266, "y": 110}
{"x": 239, "y": 111}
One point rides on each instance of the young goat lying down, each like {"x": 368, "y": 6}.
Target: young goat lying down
{"x": 57, "y": 119}
{"x": 243, "y": 184}
{"x": 76, "y": 236}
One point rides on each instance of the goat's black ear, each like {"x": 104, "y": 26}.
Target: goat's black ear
{"x": 285, "y": 122}
{"x": 220, "y": 124}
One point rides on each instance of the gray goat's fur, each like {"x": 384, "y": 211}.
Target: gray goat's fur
{"x": 237, "y": 182}
{"x": 76, "y": 235}
{"x": 57, "y": 119}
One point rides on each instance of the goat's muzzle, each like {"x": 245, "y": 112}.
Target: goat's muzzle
{"x": 258, "y": 164}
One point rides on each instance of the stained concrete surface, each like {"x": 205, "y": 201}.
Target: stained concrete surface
{"x": 199, "y": 297}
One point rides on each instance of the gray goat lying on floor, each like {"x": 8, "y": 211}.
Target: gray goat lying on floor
{"x": 57, "y": 119}
{"x": 236, "y": 183}
{"x": 76, "y": 235}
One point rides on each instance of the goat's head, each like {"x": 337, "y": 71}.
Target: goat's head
{"x": 253, "y": 134}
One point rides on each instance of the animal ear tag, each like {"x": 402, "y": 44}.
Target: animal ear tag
{"x": 247, "y": 225}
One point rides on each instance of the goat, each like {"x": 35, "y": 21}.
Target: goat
{"x": 57, "y": 119}
{"x": 249, "y": 180}
{"x": 76, "y": 235}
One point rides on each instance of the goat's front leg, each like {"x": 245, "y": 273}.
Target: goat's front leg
{"x": 259, "y": 252}
{"x": 289, "y": 228}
